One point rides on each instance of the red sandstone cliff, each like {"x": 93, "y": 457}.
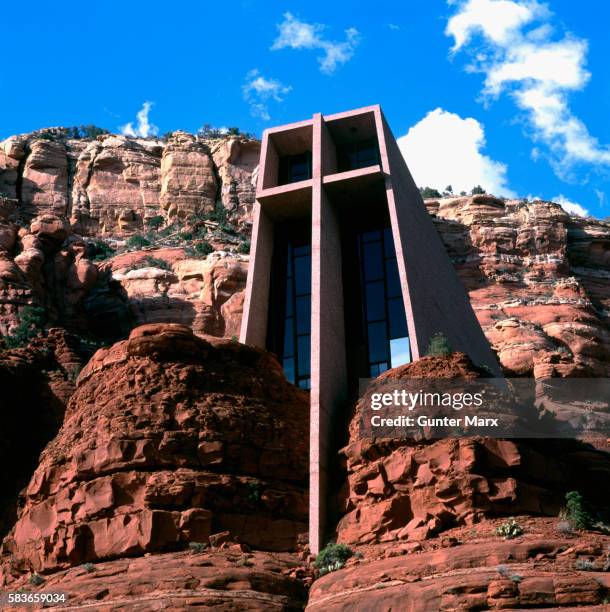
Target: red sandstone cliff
{"x": 171, "y": 437}
{"x": 537, "y": 277}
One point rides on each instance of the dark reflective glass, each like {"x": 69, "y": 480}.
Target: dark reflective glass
{"x": 367, "y": 155}
{"x": 375, "y": 306}
{"x": 373, "y": 261}
{"x": 303, "y": 354}
{"x": 289, "y": 369}
{"x": 357, "y": 155}
{"x": 302, "y": 273}
{"x": 303, "y": 314}
{"x": 388, "y": 243}
{"x": 305, "y": 383}
{"x": 289, "y": 262}
{"x": 378, "y": 341}
{"x": 289, "y": 337}
{"x": 302, "y": 250}
{"x": 378, "y": 368}
{"x": 289, "y": 298}
{"x": 371, "y": 236}
{"x": 398, "y": 320}
{"x": 392, "y": 279}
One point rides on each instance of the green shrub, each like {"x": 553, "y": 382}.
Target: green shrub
{"x": 220, "y": 213}
{"x": 575, "y": 512}
{"x": 90, "y": 131}
{"x": 197, "y": 547}
{"x": 428, "y": 192}
{"x": 155, "y": 262}
{"x": 32, "y": 322}
{"x": 155, "y": 222}
{"x": 89, "y": 567}
{"x": 478, "y": 190}
{"x": 332, "y": 558}
{"x": 36, "y": 579}
{"x": 254, "y": 492}
{"x": 98, "y": 250}
{"x": 509, "y": 530}
{"x": 516, "y": 578}
{"x": 137, "y": 242}
{"x": 439, "y": 345}
{"x": 203, "y": 248}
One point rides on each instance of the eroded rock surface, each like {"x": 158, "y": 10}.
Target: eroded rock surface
{"x": 474, "y": 569}
{"x": 402, "y": 490}
{"x": 167, "y": 440}
{"x": 226, "y": 579}
{"x": 36, "y": 384}
{"x": 537, "y": 279}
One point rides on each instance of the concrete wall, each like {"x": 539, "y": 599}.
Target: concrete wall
{"x": 434, "y": 297}
{"x": 328, "y": 359}
{"x": 256, "y": 304}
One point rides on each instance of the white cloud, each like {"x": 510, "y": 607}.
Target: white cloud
{"x": 498, "y": 20}
{"x": 571, "y": 207}
{"x": 143, "y": 127}
{"x": 445, "y": 149}
{"x": 258, "y": 91}
{"x": 297, "y": 34}
{"x": 538, "y": 71}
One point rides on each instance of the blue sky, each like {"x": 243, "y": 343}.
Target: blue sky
{"x": 512, "y": 94}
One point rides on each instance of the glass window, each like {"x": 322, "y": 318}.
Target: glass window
{"x": 303, "y": 354}
{"x": 367, "y": 154}
{"x": 378, "y": 368}
{"x": 392, "y": 279}
{"x": 398, "y": 320}
{"x": 400, "y": 351}
{"x": 302, "y": 272}
{"x": 388, "y": 243}
{"x": 371, "y": 236}
{"x": 375, "y": 298}
{"x": 357, "y": 155}
{"x": 305, "y": 383}
{"x": 292, "y": 330}
{"x": 289, "y": 298}
{"x": 289, "y": 337}
{"x": 294, "y": 168}
{"x": 378, "y": 340}
{"x": 373, "y": 261}
{"x": 383, "y": 305}
{"x": 303, "y": 314}
{"x": 289, "y": 369}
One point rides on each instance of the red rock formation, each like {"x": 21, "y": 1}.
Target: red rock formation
{"x": 36, "y": 384}
{"x": 404, "y": 490}
{"x": 474, "y": 569}
{"x": 226, "y": 579}
{"x": 537, "y": 279}
{"x": 205, "y": 294}
{"x": 110, "y": 186}
{"x": 167, "y": 439}
{"x": 236, "y": 161}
